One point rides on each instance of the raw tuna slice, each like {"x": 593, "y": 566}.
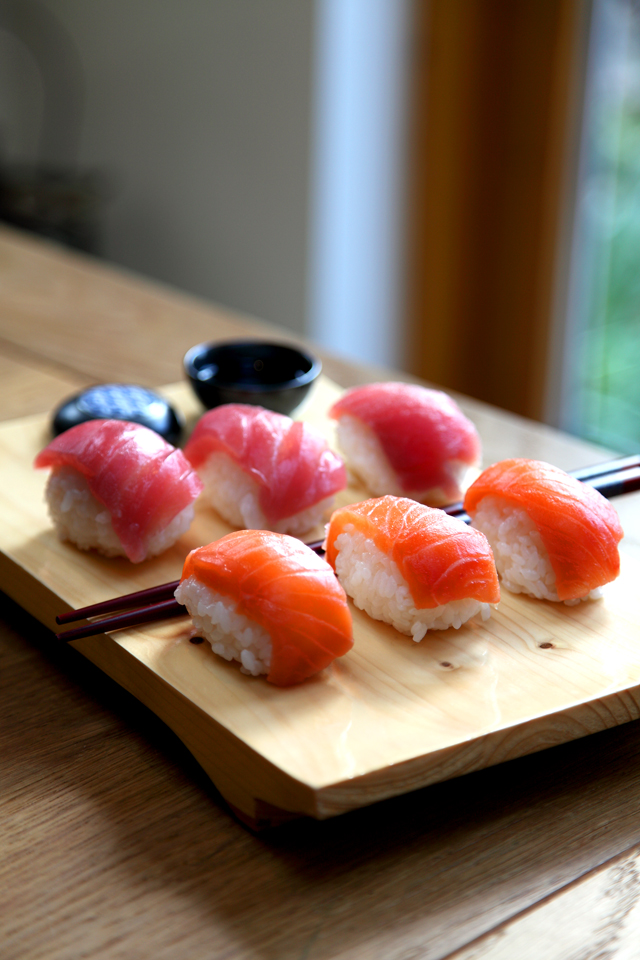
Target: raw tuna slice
{"x": 263, "y": 470}
{"x": 119, "y": 487}
{"x": 407, "y": 440}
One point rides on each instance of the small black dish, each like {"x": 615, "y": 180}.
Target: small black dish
{"x": 119, "y": 401}
{"x": 270, "y": 375}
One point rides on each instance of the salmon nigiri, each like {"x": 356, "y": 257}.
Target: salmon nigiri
{"x": 553, "y": 537}
{"x": 411, "y": 565}
{"x": 270, "y": 602}
{"x": 119, "y": 488}
{"x": 263, "y": 470}
{"x": 407, "y": 440}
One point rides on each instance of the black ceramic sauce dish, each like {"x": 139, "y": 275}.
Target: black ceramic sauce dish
{"x": 270, "y": 375}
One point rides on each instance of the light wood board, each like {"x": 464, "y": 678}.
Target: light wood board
{"x": 389, "y": 717}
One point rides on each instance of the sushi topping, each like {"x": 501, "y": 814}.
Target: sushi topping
{"x": 424, "y": 435}
{"x": 281, "y": 591}
{"x": 141, "y": 480}
{"x": 440, "y": 558}
{"x": 290, "y": 460}
{"x": 578, "y": 528}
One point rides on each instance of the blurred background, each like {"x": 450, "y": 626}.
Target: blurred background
{"x": 451, "y": 187}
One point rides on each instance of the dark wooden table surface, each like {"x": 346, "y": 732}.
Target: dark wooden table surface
{"x": 115, "y": 844}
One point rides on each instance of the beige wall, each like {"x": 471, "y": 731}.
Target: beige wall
{"x": 199, "y": 111}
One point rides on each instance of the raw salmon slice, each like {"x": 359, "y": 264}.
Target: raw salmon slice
{"x": 579, "y": 528}
{"x": 288, "y": 590}
{"x": 441, "y": 558}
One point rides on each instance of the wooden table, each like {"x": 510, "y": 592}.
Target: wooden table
{"x": 115, "y": 844}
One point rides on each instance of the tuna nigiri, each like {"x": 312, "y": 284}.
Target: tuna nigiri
{"x": 407, "y": 440}
{"x": 553, "y": 537}
{"x": 263, "y": 470}
{"x": 411, "y": 565}
{"x": 268, "y": 601}
{"x": 119, "y": 488}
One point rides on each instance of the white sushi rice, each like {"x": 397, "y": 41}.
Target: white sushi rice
{"x": 522, "y": 560}
{"x": 235, "y": 495}
{"x": 231, "y": 634}
{"x": 375, "y": 584}
{"x": 365, "y": 456}
{"x": 79, "y": 517}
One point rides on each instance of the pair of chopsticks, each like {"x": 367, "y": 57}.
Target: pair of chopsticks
{"x": 611, "y": 479}
{"x": 144, "y": 606}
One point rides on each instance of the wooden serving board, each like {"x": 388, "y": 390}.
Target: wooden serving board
{"x": 391, "y": 716}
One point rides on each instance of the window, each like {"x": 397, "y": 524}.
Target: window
{"x": 602, "y": 357}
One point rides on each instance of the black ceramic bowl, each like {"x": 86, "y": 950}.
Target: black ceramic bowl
{"x": 246, "y": 371}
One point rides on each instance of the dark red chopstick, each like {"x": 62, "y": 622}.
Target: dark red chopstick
{"x": 158, "y": 611}
{"x": 168, "y": 607}
{"x": 611, "y": 479}
{"x": 587, "y": 474}
{"x": 164, "y": 591}
{"x": 152, "y": 595}
{"x": 616, "y": 483}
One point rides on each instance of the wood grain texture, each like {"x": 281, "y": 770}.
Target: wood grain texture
{"x": 76, "y": 313}
{"x": 73, "y": 309}
{"x": 31, "y": 386}
{"x": 115, "y": 845}
{"x": 389, "y": 717}
{"x": 597, "y": 916}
